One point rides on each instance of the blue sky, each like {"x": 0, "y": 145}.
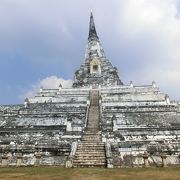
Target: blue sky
{"x": 42, "y": 42}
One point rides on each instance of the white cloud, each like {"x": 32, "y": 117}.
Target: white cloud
{"x": 157, "y": 19}
{"x": 152, "y": 27}
{"x": 51, "y": 82}
{"x": 147, "y": 15}
{"x": 54, "y": 82}
{"x": 168, "y": 81}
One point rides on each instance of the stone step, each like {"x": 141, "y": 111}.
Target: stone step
{"x": 91, "y": 154}
{"x": 98, "y": 135}
{"x": 88, "y": 148}
{"x": 85, "y": 143}
{"x": 93, "y": 151}
{"x": 91, "y": 143}
{"x": 92, "y": 138}
{"x": 98, "y": 138}
{"x": 89, "y": 164}
{"x": 91, "y": 147}
{"x": 98, "y": 155}
{"x": 90, "y": 151}
{"x": 89, "y": 159}
{"x": 92, "y": 135}
{"x": 92, "y": 129}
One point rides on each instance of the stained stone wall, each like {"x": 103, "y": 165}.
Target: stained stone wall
{"x": 138, "y": 119}
{"x": 133, "y": 119}
{"x": 30, "y": 159}
{"x": 47, "y": 123}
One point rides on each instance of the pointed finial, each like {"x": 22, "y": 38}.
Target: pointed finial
{"x": 154, "y": 84}
{"x": 131, "y": 84}
{"x": 167, "y": 99}
{"x": 26, "y": 102}
{"x": 92, "y": 29}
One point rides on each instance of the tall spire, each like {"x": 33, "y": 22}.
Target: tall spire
{"x": 96, "y": 68}
{"x": 92, "y": 29}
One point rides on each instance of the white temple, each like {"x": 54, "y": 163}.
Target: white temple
{"x": 98, "y": 122}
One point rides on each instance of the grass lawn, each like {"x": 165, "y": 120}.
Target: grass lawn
{"x": 46, "y": 173}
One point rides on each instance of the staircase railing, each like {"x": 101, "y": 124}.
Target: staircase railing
{"x": 69, "y": 162}
{"x": 100, "y": 111}
{"x": 87, "y": 111}
{"x": 87, "y": 115}
{"x": 109, "y": 158}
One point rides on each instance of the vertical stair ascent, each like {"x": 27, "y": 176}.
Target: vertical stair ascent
{"x": 91, "y": 151}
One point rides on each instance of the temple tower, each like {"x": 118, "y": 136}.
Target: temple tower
{"x": 96, "y": 69}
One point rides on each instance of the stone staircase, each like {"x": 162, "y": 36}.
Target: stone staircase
{"x": 91, "y": 151}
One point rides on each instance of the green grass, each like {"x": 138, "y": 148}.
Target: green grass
{"x": 46, "y": 173}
